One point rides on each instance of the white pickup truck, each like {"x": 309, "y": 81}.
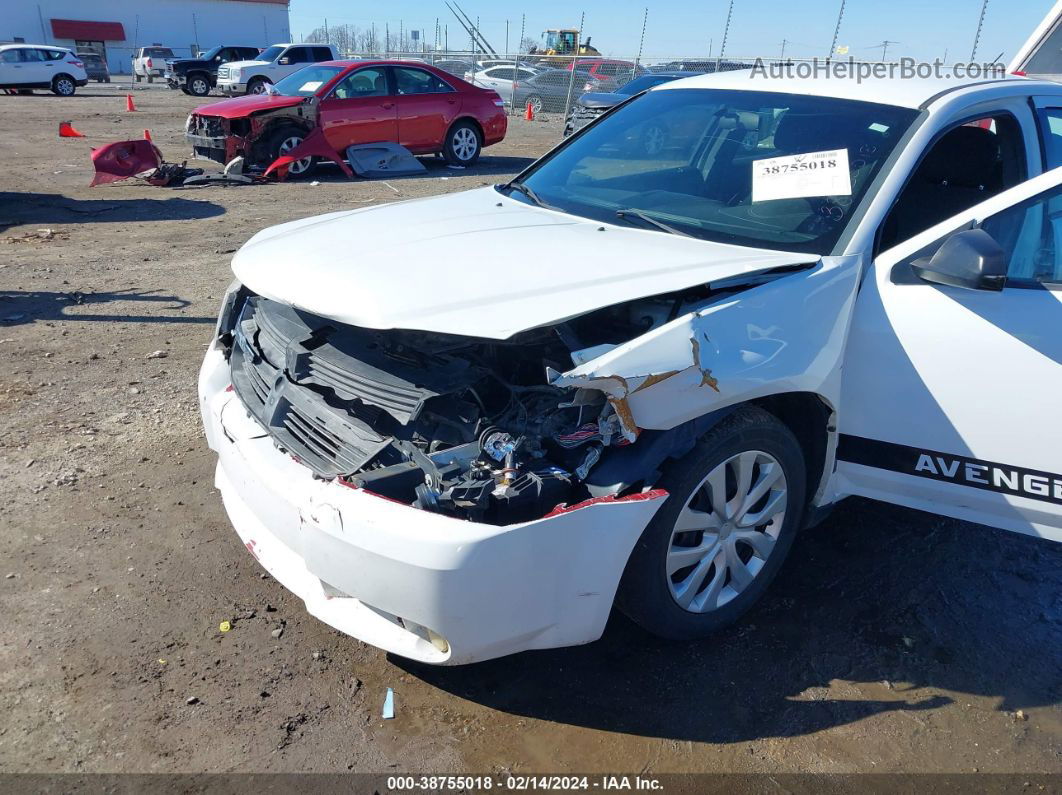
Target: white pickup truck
{"x": 272, "y": 64}
{"x": 150, "y": 62}
{"x": 815, "y": 288}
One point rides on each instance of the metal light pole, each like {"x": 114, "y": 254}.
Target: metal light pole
{"x": 836, "y": 32}
{"x": 575, "y": 62}
{"x": 977, "y": 35}
{"x": 726, "y": 29}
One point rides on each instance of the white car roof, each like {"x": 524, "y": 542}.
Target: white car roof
{"x": 905, "y": 93}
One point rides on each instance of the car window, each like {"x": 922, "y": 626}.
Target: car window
{"x": 966, "y": 165}
{"x": 31, "y": 55}
{"x": 1031, "y": 235}
{"x": 10, "y": 56}
{"x": 418, "y": 81}
{"x": 159, "y": 52}
{"x": 1051, "y": 132}
{"x": 298, "y": 55}
{"x": 709, "y": 163}
{"x": 322, "y": 54}
{"x": 369, "y": 82}
{"x": 52, "y": 55}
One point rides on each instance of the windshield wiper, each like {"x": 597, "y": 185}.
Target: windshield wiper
{"x": 529, "y": 193}
{"x": 653, "y": 221}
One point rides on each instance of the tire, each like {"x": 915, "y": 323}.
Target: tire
{"x": 63, "y": 86}
{"x": 185, "y": 91}
{"x": 106, "y": 80}
{"x": 726, "y": 570}
{"x": 537, "y": 104}
{"x": 257, "y": 85}
{"x": 463, "y": 144}
{"x": 138, "y": 77}
{"x": 284, "y": 140}
{"x": 150, "y": 78}
{"x": 198, "y": 85}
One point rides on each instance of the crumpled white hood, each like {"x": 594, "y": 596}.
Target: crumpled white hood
{"x": 477, "y": 264}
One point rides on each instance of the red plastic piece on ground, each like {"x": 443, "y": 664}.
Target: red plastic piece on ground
{"x": 124, "y": 159}
{"x": 314, "y": 144}
{"x": 66, "y": 130}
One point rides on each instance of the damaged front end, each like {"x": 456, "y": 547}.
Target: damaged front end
{"x": 466, "y": 427}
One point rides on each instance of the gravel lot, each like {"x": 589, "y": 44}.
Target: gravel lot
{"x": 894, "y": 640}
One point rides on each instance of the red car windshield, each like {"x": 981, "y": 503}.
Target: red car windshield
{"x": 308, "y": 81}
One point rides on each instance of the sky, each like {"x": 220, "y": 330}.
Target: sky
{"x": 681, "y": 28}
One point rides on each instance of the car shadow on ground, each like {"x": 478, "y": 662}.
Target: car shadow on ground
{"x": 19, "y": 307}
{"x": 54, "y": 208}
{"x": 887, "y": 604}
{"x": 436, "y": 168}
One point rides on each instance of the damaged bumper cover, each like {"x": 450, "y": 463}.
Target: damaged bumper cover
{"x": 419, "y": 584}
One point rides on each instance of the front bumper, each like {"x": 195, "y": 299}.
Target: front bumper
{"x": 226, "y": 87}
{"x": 175, "y": 81}
{"x": 386, "y": 573}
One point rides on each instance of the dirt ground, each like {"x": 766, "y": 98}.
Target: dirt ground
{"x": 893, "y": 640}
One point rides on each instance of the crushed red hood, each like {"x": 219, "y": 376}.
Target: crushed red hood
{"x": 240, "y": 107}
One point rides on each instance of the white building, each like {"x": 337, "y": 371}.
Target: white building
{"x": 115, "y": 28}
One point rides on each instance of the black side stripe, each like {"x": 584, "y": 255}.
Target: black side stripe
{"x": 961, "y": 470}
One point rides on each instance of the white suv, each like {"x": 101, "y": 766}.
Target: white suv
{"x": 272, "y": 64}
{"x": 25, "y": 67}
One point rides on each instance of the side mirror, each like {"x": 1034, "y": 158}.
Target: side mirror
{"x": 284, "y": 61}
{"x": 971, "y": 259}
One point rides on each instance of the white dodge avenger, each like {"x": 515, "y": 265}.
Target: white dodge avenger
{"x": 802, "y": 290}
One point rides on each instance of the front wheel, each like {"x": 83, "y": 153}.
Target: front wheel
{"x": 64, "y": 86}
{"x": 198, "y": 86}
{"x": 284, "y": 141}
{"x": 463, "y": 144}
{"x": 257, "y": 86}
{"x": 736, "y": 502}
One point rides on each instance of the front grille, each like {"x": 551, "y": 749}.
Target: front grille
{"x": 329, "y": 394}
{"x": 223, "y": 73}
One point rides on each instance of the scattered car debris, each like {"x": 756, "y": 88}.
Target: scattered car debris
{"x": 191, "y": 700}
{"x": 124, "y": 159}
{"x": 224, "y": 626}
{"x": 276, "y": 633}
{"x": 158, "y": 355}
{"x": 389, "y": 705}
{"x": 382, "y": 160}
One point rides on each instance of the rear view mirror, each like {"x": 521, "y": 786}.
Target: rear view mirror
{"x": 971, "y": 259}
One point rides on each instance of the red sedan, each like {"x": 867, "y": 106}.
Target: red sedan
{"x": 415, "y": 105}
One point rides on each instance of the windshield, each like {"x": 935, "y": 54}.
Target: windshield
{"x": 750, "y": 168}
{"x": 307, "y": 80}
{"x": 269, "y": 53}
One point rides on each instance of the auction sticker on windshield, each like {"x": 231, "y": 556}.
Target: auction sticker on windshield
{"x": 313, "y": 85}
{"x": 801, "y": 176}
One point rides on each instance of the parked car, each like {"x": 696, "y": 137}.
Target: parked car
{"x": 95, "y": 67}
{"x": 591, "y": 105}
{"x": 601, "y": 69}
{"x": 546, "y": 91}
{"x": 455, "y": 465}
{"x": 196, "y": 76}
{"x": 270, "y": 66}
{"x": 418, "y": 106}
{"x": 457, "y": 68}
{"x": 150, "y": 62}
{"x": 701, "y": 65}
{"x": 500, "y": 78}
{"x": 25, "y": 67}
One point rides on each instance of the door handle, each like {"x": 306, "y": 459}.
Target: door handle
{"x": 387, "y": 105}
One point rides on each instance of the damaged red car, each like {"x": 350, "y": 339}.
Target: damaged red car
{"x": 415, "y": 105}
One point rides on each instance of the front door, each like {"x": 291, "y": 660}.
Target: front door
{"x": 950, "y": 398}
{"x": 359, "y": 110}
{"x": 426, "y": 105}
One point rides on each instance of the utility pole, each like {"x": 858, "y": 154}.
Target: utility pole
{"x": 326, "y": 31}
{"x": 726, "y": 29}
{"x": 784, "y": 42}
{"x": 885, "y": 47}
{"x": 977, "y": 35}
{"x": 836, "y": 32}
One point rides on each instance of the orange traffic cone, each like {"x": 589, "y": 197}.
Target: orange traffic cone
{"x": 529, "y": 113}
{"x": 129, "y": 106}
{"x": 147, "y": 135}
{"x": 66, "y": 130}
